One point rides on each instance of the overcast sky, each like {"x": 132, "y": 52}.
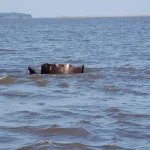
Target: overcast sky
{"x": 53, "y": 8}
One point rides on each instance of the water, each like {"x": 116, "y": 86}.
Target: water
{"x": 105, "y": 108}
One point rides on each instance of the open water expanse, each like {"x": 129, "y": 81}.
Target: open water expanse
{"x": 105, "y": 108}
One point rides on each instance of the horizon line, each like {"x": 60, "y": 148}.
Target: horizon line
{"x": 115, "y": 16}
{"x": 85, "y": 16}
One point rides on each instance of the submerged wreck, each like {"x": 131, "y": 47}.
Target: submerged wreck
{"x": 60, "y": 69}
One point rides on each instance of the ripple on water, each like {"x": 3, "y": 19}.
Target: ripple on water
{"x": 113, "y": 147}
{"x": 91, "y": 77}
{"x": 42, "y": 83}
{"x": 95, "y": 76}
{"x": 57, "y": 145}
{"x": 86, "y": 40}
{"x": 73, "y": 132}
{"x": 92, "y": 70}
{"x": 134, "y": 133}
{"x": 131, "y": 115}
{"x": 122, "y": 91}
{"x": 24, "y": 114}
{"x": 71, "y": 146}
{"x": 52, "y": 131}
{"x": 134, "y": 92}
{"x": 83, "y": 122}
{"x": 147, "y": 72}
{"x": 125, "y": 69}
{"x": 112, "y": 89}
{"x": 113, "y": 110}
{"x": 75, "y": 112}
{"x": 64, "y": 85}
{"x": 16, "y": 94}
{"x": 54, "y": 39}
{"x": 127, "y": 124}
{"x": 6, "y": 80}
{"x": 7, "y": 51}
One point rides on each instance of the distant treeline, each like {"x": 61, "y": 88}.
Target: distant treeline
{"x": 14, "y": 15}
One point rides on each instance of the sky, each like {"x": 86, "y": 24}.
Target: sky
{"x": 54, "y": 8}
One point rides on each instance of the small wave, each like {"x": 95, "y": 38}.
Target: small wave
{"x": 92, "y": 70}
{"x": 2, "y": 70}
{"x": 79, "y": 132}
{"x": 35, "y": 49}
{"x": 41, "y": 145}
{"x": 127, "y": 123}
{"x": 113, "y": 110}
{"x": 95, "y": 76}
{"x": 91, "y": 77}
{"x": 42, "y": 83}
{"x": 2, "y": 77}
{"x": 134, "y": 92}
{"x": 53, "y": 39}
{"x": 57, "y": 145}
{"x": 127, "y": 115}
{"x": 35, "y": 77}
{"x": 113, "y": 147}
{"x": 147, "y": 72}
{"x": 83, "y": 122}
{"x": 6, "y": 80}
{"x": 70, "y": 146}
{"x": 55, "y": 126}
{"x": 125, "y": 69}
{"x": 15, "y": 94}
{"x": 24, "y": 114}
{"x": 27, "y": 41}
{"x": 79, "y": 61}
{"x": 7, "y": 51}
{"x": 85, "y": 40}
{"x": 64, "y": 85}
{"x": 98, "y": 116}
{"x": 134, "y": 133}
{"x": 65, "y": 113}
{"x": 11, "y": 72}
{"x": 73, "y": 132}
{"x": 112, "y": 89}
{"x": 52, "y": 117}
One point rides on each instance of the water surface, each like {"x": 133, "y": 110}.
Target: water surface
{"x": 105, "y": 108}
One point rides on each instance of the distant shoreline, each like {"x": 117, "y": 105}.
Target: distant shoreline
{"x": 128, "y": 16}
{"x": 15, "y": 15}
